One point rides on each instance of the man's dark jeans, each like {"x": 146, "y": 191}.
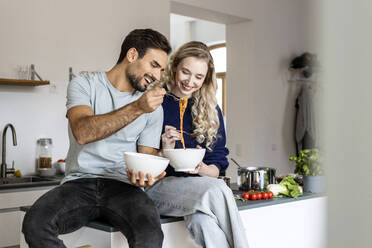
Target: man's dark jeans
{"x": 73, "y": 204}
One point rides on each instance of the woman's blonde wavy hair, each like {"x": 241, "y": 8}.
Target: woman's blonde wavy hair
{"x": 204, "y": 111}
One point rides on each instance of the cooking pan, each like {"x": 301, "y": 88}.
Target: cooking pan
{"x": 255, "y": 178}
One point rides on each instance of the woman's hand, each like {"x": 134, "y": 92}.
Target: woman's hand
{"x": 201, "y": 166}
{"x": 169, "y": 137}
{"x": 206, "y": 170}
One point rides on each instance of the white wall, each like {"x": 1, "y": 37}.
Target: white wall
{"x": 208, "y": 32}
{"x": 262, "y": 38}
{"x": 184, "y": 29}
{"x": 180, "y": 30}
{"x": 87, "y": 36}
{"x": 347, "y": 120}
{"x": 54, "y": 35}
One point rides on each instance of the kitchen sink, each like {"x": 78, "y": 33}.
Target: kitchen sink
{"x": 29, "y": 181}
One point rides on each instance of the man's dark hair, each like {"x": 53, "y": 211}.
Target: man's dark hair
{"x": 141, "y": 40}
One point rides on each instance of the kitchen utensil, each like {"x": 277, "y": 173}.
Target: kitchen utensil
{"x": 174, "y": 97}
{"x": 146, "y": 163}
{"x": 255, "y": 178}
{"x": 236, "y": 162}
{"x": 184, "y": 132}
{"x": 47, "y": 172}
{"x": 184, "y": 159}
{"x": 161, "y": 85}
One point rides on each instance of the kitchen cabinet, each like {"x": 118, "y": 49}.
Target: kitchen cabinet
{"x": 10, "y": 202}
{"x": 293, "y": 224}
{"x": 9, "y": 228}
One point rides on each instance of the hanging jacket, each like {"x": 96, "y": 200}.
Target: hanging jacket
{"x": 305, "y": 123}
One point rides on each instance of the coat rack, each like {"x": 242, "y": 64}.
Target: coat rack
{"x": 71, "y": 75}
{"x": 303, "y": 67}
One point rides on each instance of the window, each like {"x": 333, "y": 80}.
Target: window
{"x": 218, "y": 53}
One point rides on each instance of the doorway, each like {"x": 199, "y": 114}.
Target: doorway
{"x": 184, "y": 29}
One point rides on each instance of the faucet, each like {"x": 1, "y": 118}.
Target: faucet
{"x": 4, "y": 169}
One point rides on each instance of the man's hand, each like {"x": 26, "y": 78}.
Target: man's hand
{"x": 151, "y": 100}
{"x": 141, "y": 181}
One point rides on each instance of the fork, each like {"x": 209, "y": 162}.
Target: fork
{"x": 190, "y": 134}
{"x": 161, "y": 85}
{"x": 174, "y": 97}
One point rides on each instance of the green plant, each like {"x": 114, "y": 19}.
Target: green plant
{"x": 308, "y": 162}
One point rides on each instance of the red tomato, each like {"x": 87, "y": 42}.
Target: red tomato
{"x": 271, "y": 194}
{"x": 253, "y": 196}
{"x": 265, "y": 195}
{"x": 245, "y": 196}
{"x": 251, "y": 191}
{"x": 259, "y": 196}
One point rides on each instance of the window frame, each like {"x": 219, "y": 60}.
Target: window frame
{"x": 222, "y": 76}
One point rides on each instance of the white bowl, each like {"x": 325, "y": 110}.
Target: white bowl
{"x": 184, "y": 160}
{"x": 46, "y": 172}
{"x": 146, "y": 163}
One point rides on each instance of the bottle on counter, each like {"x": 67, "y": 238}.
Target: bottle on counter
{"x": 44, "y": 153}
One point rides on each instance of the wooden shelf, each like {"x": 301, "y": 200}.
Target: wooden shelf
{"x": 20, "y": 82}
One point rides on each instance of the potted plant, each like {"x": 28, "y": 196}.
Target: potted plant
{"x": 309, "y": 165}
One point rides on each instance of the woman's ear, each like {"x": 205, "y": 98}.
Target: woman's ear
{"x": 132, "y": 55}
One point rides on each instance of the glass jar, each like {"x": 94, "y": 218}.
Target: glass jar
{"x": 44, "y": 153}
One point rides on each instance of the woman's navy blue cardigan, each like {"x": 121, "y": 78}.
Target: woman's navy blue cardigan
{"x": 218, "y": 155}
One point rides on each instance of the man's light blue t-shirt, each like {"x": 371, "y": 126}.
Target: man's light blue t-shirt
{"x": 105, "y": 158}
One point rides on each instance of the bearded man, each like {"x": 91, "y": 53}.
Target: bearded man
{"x": 109, "y": 113}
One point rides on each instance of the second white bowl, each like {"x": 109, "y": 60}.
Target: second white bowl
{"x": 184, "y": 160}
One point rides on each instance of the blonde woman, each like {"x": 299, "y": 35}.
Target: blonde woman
{"x": 207, "y": 204}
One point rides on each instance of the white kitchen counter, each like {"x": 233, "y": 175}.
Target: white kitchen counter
{"x": 11, "y": 199}
{"x": 279, "y": 223}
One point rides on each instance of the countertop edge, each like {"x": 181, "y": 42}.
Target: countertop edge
{"x": 166, "y": 219}
{"x": 27, "y": 188}
{"x": 248, "y": 204}
{"x": 242, "y": 205}
{"x": 256, "y": 204}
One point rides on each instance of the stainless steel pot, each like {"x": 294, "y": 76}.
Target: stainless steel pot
{"x": 256, "y": 178}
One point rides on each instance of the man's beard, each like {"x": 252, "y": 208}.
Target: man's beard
{"x": 134, "y": 81}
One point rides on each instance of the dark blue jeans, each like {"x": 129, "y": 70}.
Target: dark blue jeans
{"x": 73, "y": 204}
